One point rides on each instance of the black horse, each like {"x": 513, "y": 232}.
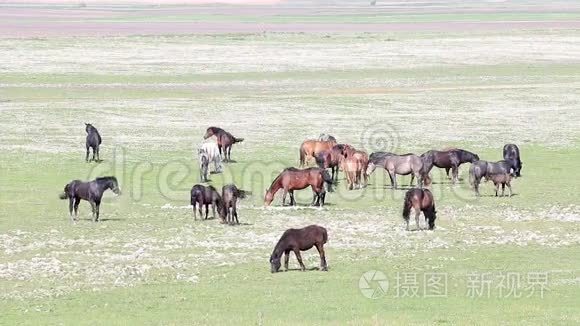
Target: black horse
{"x": 449, "y": 159}
{"x": 91, "y": 191}
{"x": 296, "y": 240}
{"x": 511, "y": 153}
{"x": 93, "y": 141}
{"x": 484, "y": 169}
{"x": 205, "y": 196}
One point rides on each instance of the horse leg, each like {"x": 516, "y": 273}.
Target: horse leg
{"x": 286, "y": 259}
{"x": 98, "y": 205}
{"x": 320, "y": 249}
{"x": 417, "y": 214}
{"x": 394, "y": 180}
{"x": 509, "y": 184}
{"x": 447, "y": 172}
{"x": 292, "y": 200}
{"x": 76, "y": 207}
{"x": 194, "y": 214}
{"x": 235, "y": 213}
{"x": 94, "y": 153}
{"x": 314, "y": 196}
{"x": 230, "y": 153}
{"x": 322, "y": 198}
{"x": 220, "y": 149}
{"x": 206, "y": 210}
{"x": 70, "y": 208}
{"x": 496, "y": 188}
{"x": 213, "y": 205}
{"x": 96, "y": 149}
{"x": 412, "y": 178}
{"x": 297, "y": 253}
{"x": 502, "y": 189}
{"x": 284, "y": 197}
{"x": 87, "y": 157}
{"x": 454, "y": 174}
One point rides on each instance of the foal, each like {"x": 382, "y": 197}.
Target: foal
{"x": 297, "y": 240}
{"x": 421, "y": 200}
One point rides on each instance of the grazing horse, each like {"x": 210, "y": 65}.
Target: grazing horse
{"x": 326, "y": 137}
{"x": 212, "y": 152}
{"x": 448, "y": 159}
{"x": 421, "y": 200}
{"x": 511, "y": 153}
{"x": 331, "y": 159}
{"x": 311, "y": 148}
{"x": 205, "y": 196}
{"x": 402, "y": 165}
{"x": 291, "y": 179}
{"x": 91, "y": 191}
{"x": 93, "y": 141}
{"x": 225, "y": 140}
{"x": 483, "y": 169}
{"x": 297, "y": 240}
{"x": 230, "y": 195}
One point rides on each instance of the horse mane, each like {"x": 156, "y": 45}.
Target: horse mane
{"x": 279, "y": 177}
{"x": 108, "y": 178}
{"x": 215, "y": 130}
{"x": 293, "y": 169}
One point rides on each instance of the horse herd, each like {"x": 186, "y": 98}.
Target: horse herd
{"x": 327, "y": 154}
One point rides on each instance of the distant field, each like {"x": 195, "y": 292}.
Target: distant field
{"x": 409, "y": 90}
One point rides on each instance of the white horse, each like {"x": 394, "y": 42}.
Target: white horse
{"x": 212, "y": 153}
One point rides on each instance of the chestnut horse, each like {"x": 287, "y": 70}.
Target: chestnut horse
{"x": 421, "y": 200}
{"x": 297, "y": 240}
{"x": 225, "y": 140}
{"x": 310, "y": 148}
{"x": 354, "y": 166}
{"x": 291, "y": 179}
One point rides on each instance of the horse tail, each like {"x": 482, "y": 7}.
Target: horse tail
{"x": 324, "y": 236}
{"x": 407, "y": 205}
{"x": 302, "y": 155}
{"x": 238, "y": 140}
{"x": 65, "y": 193}
{"x": 242, "y": 193}
{"x": 328, "y": 179}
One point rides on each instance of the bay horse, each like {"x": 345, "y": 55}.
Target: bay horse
{"x": 402, "y": 165}
{"x": 310, "y": 148}
{"x": 503, "y": 180}
{"x": 448, "y": 159}
{"x": 91, "y": 191}
{"x": 297, "y": 240}
{"x": 291, "y": 179}
{"x": 331, "y": 159}
{"x": 230, "y": 195}
{"x": 511, "y": 153}
{"x": 420, "y": 200}
{"x": 205, "y": 196}
{"x": 225, "y": 140}
{"x": 93, "y": 141}
{"x": 484, "y": 169}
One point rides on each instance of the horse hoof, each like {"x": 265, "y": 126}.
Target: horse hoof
{"x": 324, "y": 269}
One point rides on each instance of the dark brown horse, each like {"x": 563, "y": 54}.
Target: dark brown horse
{"x": 230, "y": 195}
{"x": 205, "y": 196}
{"x": 311, "y": 148}
{"x": 91, "y": 191}
{"x": 447, "y": 159}
{"x": 297, "y": 240}
{"x": 93, "y": 141}
{"x": 225, "y": 140}
{"x": 511, "y": 153}
{"x": 295, "y": 179}
{"x": 330, "y": 159}
{"x": 421, "y": 200}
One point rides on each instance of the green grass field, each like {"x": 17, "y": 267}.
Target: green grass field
{"x": 152, "y": 97}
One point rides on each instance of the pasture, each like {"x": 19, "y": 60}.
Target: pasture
{"x": 410, "y": 90}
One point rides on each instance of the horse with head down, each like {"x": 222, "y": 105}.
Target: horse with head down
{"x": 354, "y": 165}
{"x": 331, "y": 159}
{"x": 448, "y": 159}
{"x": 499, "y": 172}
